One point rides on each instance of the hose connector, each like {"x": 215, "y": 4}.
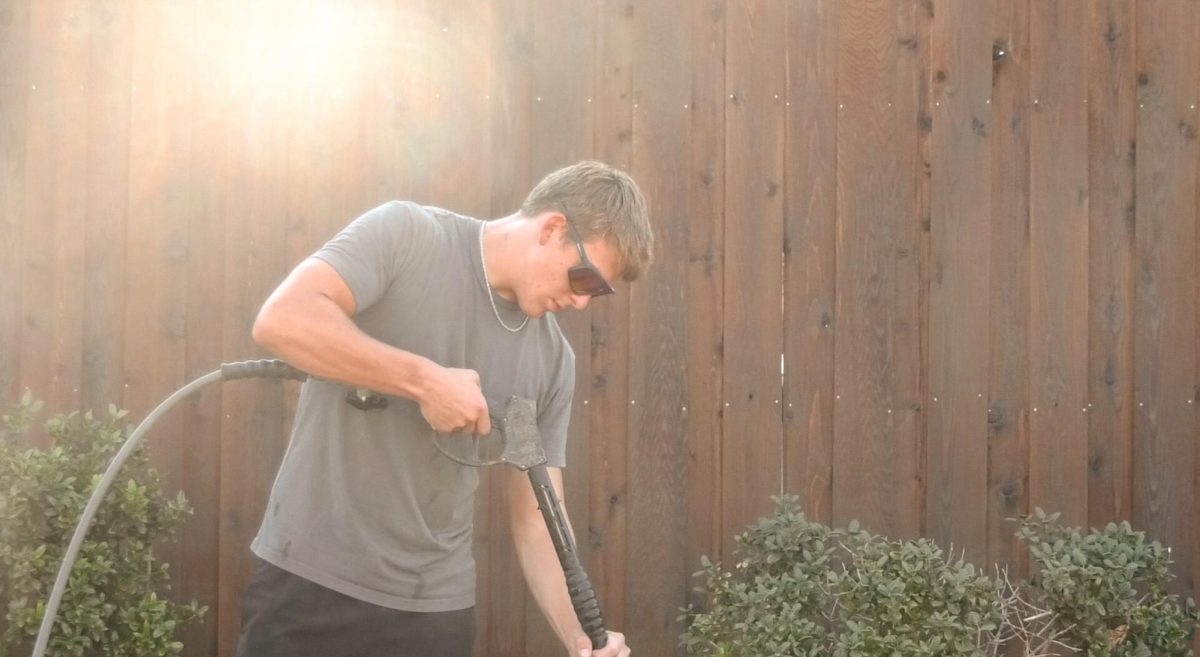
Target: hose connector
{"x": 267, "y": 368}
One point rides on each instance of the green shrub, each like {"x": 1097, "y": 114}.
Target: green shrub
{"x": 111, "y": 605}
{"x": 771, "y": 603}
{"x": 908, "y": 598}
{"x": 803, "y": 589}
{"x": 1107, "y": 590}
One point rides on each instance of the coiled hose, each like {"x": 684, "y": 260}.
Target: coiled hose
{"x": 253, "y": 369}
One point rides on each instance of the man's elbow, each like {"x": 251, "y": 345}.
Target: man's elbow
{"x": 267, "y": 331}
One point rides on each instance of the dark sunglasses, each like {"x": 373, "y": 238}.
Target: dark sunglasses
{"x": 585, "y": 279}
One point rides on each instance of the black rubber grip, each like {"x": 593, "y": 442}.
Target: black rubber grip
{"x": 267, "y": 368}
{"x": 583, "y": 596}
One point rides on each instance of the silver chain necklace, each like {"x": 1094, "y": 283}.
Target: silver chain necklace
{"x": 488, "y": 284}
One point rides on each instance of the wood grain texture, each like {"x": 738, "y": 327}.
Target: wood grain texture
{"x": 810, "y": 246}
{"x": 877, "y": 449}
{"x": 52, "y": 238}
{"x": 959, "y": 305}
{"x": 251, "y": 103}
{"x": 15, "y": 37}
{"x": 1164, "y": 288}
{"x": 210, "y": 557}
{"x": 1112, "y": 124}
{"x": 564, "y": 122}
{"x": 156, "y": 250}
{"x": 502, "y": 613}
{"x": 203, "y": 230}
{"x": 752, "y": 450}
{"x": 107, "y": 190}
{"x": 657, "y": 499}
{"x": 704, "y": 289}
{"x": 1058, "y": 310}
{"x": 1008, "y": 385}
{"x": 611, "y": 367}
{"x": 1195, "y": 400}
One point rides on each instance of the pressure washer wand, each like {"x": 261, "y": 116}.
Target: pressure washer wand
{"x": 522, "y": 448}
{"x": 579, "y": 586}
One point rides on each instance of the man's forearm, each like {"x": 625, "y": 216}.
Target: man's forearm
{"x": 307, "y": 323}
{"x": 538, "y": 558}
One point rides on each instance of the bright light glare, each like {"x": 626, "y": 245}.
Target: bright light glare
{"x": 419, "y": 80}
{"x": 319, "y": 47}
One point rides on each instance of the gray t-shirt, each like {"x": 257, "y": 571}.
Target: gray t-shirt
{"x": 364, "y": 503}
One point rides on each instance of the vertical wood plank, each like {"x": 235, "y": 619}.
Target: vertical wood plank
{"x": 107, "y": 188}
{"x": 956, "y": 454}
{"x": 919, "y": 39}
{"x": 325, "y": 190}
{"x": 565, "y": 52}
{"x": 502, "y": 625}
{"x": 1165, "y": 287}
{"x": 416, "y": 87}
{"x": 460, "y": 65}
{"x": 876, "y": 464}
{"x": 657, "y": 497}
{"x": 200, "y": 475}
{"x": 15, "y": 37}
{"x": 704, "y": 286}
{"x": 914, "y": 32}
{"x": 1195, "y": 398}
{"x": 209, "y": 280}
{"x": 157, "y": 250}
{"x": 752, "y": 450}
{"x": 1008, "y": 417}
{"x": 511, "y": 104}
{"x": 810, "y": 246}
{"x": 613, "y": 393}
{"x": 454, "y": 120}
{"x": 373, "y": 60}
{"x": 350, "y": 88}
{"x": 52, "y": 242}
{"x": 252, "y": 101}
{"x": 69, "y": 207}
{"x": 1112, "y": 123}
{"x": 200, "y": 472}
{"x": 1059, "y": 262}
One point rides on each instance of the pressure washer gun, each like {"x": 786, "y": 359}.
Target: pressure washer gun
{"x": 520, "y": 445}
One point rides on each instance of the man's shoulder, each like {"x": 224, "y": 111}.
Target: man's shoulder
{"x": 427, "y": 224}
{"x": 404, "y": 212}
{"x": 439, "y": 214}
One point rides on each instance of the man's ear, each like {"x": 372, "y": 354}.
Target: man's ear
{"x": 549, "y": 224}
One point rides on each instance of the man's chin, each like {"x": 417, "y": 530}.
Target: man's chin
{"x": 537, "y": 314}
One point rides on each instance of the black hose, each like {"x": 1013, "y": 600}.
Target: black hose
{"x": 583, "y": 597}
{"x": 272, "y": 369}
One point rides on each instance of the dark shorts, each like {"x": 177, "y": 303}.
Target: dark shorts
{"x": 284, "y": 615}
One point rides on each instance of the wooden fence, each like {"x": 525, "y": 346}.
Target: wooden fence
{"x": 966, "y": 231}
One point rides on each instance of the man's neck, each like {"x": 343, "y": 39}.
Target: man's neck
{"x": 499, "y": 239}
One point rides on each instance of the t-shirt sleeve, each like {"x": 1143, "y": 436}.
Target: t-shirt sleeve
{"x": 379, "y": 247}
{"x": 555, "y": 418}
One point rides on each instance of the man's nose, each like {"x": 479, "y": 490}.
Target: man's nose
{"x": 580, "y": 301}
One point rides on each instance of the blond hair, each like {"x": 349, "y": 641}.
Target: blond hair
{"x": 600, "y": 201}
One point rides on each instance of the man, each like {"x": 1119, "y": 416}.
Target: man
{"x": 365, "y": 546}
